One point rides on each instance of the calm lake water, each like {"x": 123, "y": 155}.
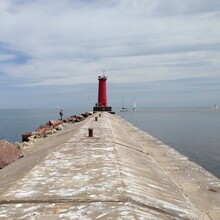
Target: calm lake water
{"x": 195, "y": 132}
{"x": 15, "y": 122}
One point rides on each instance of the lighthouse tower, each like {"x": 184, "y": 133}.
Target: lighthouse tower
{"x": 101, "y": 105}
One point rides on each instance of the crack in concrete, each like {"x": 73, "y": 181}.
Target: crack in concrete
{"x": 78, "y": 201}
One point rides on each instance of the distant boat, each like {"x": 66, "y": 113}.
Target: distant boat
{"x": 123, "y": 109}
{"x": 134, "y": 107}
{"x": 215, "y": 107}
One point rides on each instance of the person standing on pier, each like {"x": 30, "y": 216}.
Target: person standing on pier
{"x": 61, "y": 114}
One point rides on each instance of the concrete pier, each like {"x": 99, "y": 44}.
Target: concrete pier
{"x": 120, "y": 172}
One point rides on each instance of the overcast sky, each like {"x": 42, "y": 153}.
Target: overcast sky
{"x": 165, "y": 53}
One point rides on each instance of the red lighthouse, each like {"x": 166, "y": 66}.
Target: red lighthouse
{"x": 101, "y": 105}
{"x": 102, "y": 95}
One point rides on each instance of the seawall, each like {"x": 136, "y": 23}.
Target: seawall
{"x": 119, "y": 173}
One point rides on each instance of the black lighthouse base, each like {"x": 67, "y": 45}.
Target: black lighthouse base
{"x": 102, "y": 109}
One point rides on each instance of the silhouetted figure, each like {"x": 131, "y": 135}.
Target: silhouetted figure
{"x": 61, "y": 114}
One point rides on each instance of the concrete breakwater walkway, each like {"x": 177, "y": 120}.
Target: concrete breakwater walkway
{"x": 119, "y": 173}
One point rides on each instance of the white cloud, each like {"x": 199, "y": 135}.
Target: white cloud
{"x": 69, "y": 42}
{"x": 6, "y": 57}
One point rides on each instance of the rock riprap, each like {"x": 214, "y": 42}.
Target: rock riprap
{"x": 8, "y": 153}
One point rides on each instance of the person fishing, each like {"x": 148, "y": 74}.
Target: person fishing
{"x": 61, "y": 114}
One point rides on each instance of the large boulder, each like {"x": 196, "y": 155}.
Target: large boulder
{"x": 43, "y": 129}
{"x": 8, "y": 153}
{"x": 55, "y": 123}
{"x": 69, "y": 120}
{"x": 26, "y": 135}
{"x": 79, "y": 118}
{"x": 86, "y": 114}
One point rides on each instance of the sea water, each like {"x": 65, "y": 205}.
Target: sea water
{"x": 195, "y": 132}
{"x": 15, "y": 122}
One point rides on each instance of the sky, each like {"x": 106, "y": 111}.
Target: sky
{"x": 163, "y": 53}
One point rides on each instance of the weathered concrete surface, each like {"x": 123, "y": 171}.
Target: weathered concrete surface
{"x": 120, "y": 173}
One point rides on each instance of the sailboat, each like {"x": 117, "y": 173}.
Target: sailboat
{"x": 123, "y": 109}
{"x": 134, "y": 107}
{"x": 215, "y": 107}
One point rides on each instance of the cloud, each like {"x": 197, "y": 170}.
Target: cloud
{"x": 175, "y": 7}
{"x": 6, "y": 57}
{"x": 70, "y": 42}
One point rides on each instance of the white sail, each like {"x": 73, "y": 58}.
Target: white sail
{"x": 134, "y": 107}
